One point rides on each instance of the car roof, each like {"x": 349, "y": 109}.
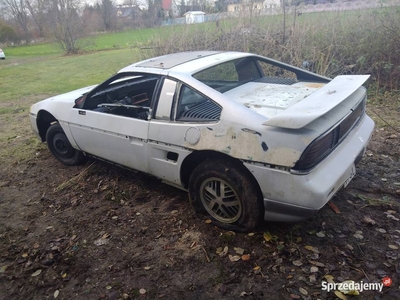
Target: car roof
{"x": 171, "y": 60}
{"x": 182, "y": 61}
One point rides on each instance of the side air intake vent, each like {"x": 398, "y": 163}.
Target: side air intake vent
{"x": 206, "y": 111}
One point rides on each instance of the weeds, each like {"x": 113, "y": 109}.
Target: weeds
{"x": 329, "y": 43}
{"x": 74, "y": 180}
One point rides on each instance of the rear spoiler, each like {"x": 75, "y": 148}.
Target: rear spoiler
{"x": 317, "y": 104}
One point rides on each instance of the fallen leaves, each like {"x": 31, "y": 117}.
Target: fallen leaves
{"x": 238, "y": 250}
{"x": 368, "y": 220}
{"x": 3, "y": 269}
{"x": 297, "y": 263}
{"x": 105, "y": 238}
{"x": 222, "y": 252}
{"x": 334, "y": 207}
{"x": 246, "y": 257}
{"x": 36, "y": 273}
{"x": 267, "y": 236}
{"x": 239, "y": 254}
{"x": 142, "y": 291}
{"x": 340, "y": 295}
{"x": 317, "y": 263}
{"x": 311, "y": 248}
{"x": 329, "y": 278}
{"x": 352, "y": 292}
{"x": 234, "y": 258}
{"x": 303, "y": 291}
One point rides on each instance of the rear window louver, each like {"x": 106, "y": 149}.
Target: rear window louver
{"x": 277, "y": 80}
{"x": 206, "y": 111}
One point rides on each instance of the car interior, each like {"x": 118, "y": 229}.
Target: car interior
{"x": 129, "y": 97}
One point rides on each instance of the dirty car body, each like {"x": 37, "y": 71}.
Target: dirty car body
{"x": 249, "y": 137}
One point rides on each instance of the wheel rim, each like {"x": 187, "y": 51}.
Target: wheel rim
{"x": 61, "y": 146}
{"x": 220, "y": 200}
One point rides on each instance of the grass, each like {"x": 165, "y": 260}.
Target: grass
{"x": 21, "y": 78}
{"x": 26, "y": 80}
{"x": 134, "y": 38}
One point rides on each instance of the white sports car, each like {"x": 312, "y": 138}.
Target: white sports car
{"x": 249, "y": 137}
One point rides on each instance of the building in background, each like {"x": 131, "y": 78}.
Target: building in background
{"x": 193, "y": 17}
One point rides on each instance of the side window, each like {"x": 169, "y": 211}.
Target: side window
{"x": 194, "y": 107}
{"x": 247, "y": 69}
{"x": 222, "y": 72}
{"x": 229, "y": 75}
{"x": 127, "y": 95}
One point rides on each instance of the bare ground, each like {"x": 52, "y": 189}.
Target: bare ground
{"x": 102, "y": 232}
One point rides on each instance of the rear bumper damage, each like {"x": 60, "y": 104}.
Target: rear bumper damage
{"x": 293, "y": 197}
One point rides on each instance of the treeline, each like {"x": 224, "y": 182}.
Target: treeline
{"x": 67, "y": 21}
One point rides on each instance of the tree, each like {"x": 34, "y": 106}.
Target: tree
{"x": 67, "y": 26}
{"x": 108, "y": 13}
{"x": 18, "y": 11}
{"x": 37, "y": 10}
{"x": 154, "y": 13}
{"x": 7, "y": 33}
{"x": 221, "y": 5}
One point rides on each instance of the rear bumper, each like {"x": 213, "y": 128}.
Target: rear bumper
{"x": 292, "y": 197}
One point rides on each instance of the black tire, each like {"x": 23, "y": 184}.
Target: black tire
{"x": 212, "y": 178}
{"x": 61, "y": 148}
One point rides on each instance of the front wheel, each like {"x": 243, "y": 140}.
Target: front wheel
{"x": 224, "y": 191}
{"x": 61, "y": 148}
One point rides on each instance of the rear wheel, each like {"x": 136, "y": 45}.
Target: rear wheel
{"x": 225, "y": 192}
{"x": 61, "y": 148}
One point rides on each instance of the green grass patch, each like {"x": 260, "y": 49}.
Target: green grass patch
{"x": 133, "y": 38}
{"x": 22, "y": 78}
{"x": 24, "y": 81}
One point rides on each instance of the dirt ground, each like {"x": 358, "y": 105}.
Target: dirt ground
{"x": 101, "y": 232}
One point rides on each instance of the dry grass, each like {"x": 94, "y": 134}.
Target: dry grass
{"x": 332, "y": 43}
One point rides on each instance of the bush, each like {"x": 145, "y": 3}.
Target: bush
{"x": 329, "y": 43}
{"x": 7, "y": 34}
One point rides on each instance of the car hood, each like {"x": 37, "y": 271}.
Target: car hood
{"x": 71, "y": 96}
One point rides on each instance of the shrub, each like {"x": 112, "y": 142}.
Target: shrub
{"x": 329, "y": 43}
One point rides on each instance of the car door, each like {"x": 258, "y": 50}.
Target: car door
{"x": 110, "y": 128}
{"x": 176, "y": 127}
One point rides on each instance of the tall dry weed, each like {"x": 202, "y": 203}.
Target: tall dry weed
{"x": 329, "y": 43}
